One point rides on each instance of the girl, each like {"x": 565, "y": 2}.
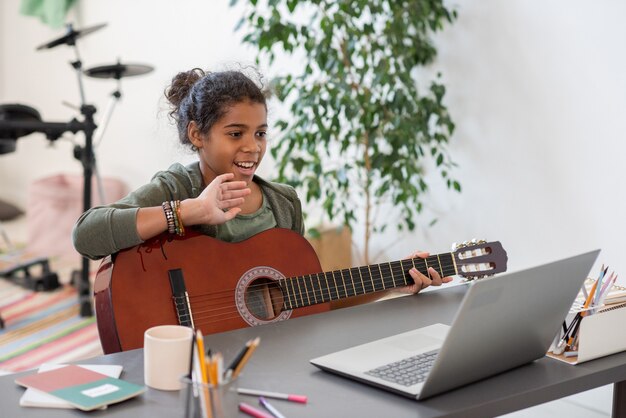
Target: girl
{"x": 223, "y": 117}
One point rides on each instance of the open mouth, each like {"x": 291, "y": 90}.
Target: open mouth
{"x": 246, "y": 165}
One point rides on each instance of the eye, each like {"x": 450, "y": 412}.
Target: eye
{"x": 235, "y": 134}
{"x": 261, "y": 134}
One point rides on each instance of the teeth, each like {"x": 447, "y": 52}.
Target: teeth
{"x": 245, "y": 165}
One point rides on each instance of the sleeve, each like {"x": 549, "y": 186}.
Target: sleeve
{"x": 104, "y": 230}
{"x": 298, "y": 219}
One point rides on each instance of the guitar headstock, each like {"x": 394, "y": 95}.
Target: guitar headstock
{"x": 477, "y": 258}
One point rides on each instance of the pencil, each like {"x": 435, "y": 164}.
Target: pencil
{"x": 233, "y": 364}
{"x": 206, "y": 405}
{"x": 246, "y": 356}
{"x": 203, "y": 367}
{"x": 600, "y": 278}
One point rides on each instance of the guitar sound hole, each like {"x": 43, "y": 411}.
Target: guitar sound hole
{"x": 263, "y": 298}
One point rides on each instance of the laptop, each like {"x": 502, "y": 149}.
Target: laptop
{"x": 503, "y": 322}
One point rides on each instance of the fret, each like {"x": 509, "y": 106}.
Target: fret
{"x": 320, "y": 287}
{"x": 341, "y": 284}
{"x": 314, "y": 289}
{"x": 426, "y": 272}
{"x": 440, "y": 268}
{"x": 362, "y": 282}
{"x": 324, "y": 292}
{"x": 293, "y": 290}
{"x": 282, "y": 283}
{"x": 456, "y": 270}
{"x": 376, "y": 278}
{"x": 421, "y": 266}
{"x": 371, "y": 277}
{"x": 299, "y": 291}
{"x": 385, "y": 273}
{"x": 332, "y": 290}
{"x": 338, "y": 287}
{"x": 400, "y": 273}
{"x": 393, "y": 277}
{"x": 354, "y": 293}
{"x": 449, "y": 264}
{"x": 382, "y": 276}
{"x": 367, "y": 276}
{"x": 306, "y": 290}
{"x": 359, "y": 289}
{"x": 346, "y": 286}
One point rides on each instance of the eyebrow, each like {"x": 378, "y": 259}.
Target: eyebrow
{"x": 243, "y": 125}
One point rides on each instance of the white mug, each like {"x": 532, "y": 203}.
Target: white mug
{"x": 166, "y": 356}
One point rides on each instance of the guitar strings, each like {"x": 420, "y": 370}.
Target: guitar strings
{"x": 213, "y": 313}
{"x": 367, "y": 285}
{"x": 223, "y": 313}
{"x": 389, "y": 281}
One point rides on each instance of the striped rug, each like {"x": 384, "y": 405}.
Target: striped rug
{"x": 43, "y": 327}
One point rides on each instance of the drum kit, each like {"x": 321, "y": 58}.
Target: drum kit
{"x": 17, "y": 120}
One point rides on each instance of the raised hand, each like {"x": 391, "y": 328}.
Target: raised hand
{"x": 219, "y": 202}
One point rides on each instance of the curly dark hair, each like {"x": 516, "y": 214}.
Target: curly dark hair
{"x": 204, "y": 97}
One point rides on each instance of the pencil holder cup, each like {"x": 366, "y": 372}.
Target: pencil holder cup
{"x": 202, "y": 400}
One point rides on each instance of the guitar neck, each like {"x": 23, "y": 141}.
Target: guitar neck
{"x": 323, "y": 287}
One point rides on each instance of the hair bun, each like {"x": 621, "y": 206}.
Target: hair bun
{"x": 181, "y": 85}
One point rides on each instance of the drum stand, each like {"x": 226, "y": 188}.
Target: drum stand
{"x": 115, "y": 97}
{"x": 87, "y": 158}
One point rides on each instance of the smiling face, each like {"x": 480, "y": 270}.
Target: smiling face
{"x": 235, "y": 144}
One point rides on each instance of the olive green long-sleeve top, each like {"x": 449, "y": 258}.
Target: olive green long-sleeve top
{"x": 104, "y": 230}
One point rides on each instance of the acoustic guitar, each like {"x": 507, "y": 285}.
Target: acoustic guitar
{"x": 217, "y": 286}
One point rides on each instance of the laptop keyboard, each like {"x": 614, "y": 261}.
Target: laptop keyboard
{"x": 408, "y": 371}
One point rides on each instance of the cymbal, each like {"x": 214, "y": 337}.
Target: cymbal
{"x": 70, "y": 37}
{"x": 118, "y": 70}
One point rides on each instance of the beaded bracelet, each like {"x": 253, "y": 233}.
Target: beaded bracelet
{"x": 169, "y": 217}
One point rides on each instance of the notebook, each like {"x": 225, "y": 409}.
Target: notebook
{"x": 504, "y": 321}
{"x": 36, "y": 398}
{"x": 82, "y": 388}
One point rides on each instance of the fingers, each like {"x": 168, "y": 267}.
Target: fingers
{"x": 234, "y": 194}
{"x": 227, "y": 194}
{"x": 230, "y": 203}
{"x": 420, "y": 254}
{"x": 422, "y": 281}
{"x": 231, "y": 213}
{"x": 223, "y": 177}
{"x": 434, "y": 277}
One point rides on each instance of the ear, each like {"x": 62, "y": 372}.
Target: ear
{"x": 194, "y": 134}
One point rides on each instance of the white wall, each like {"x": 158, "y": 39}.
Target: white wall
{"x": 537, "y": 90}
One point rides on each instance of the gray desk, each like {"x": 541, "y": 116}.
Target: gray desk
{"x": 281, "y": 364}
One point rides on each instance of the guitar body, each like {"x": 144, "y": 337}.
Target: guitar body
{"x": 133, "y": 292}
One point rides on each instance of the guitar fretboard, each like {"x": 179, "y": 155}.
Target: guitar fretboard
{"x": 323, "y": 287}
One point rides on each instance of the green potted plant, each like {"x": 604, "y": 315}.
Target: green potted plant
{"x": 360, "y": 129}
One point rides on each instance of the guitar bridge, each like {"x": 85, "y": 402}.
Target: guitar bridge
{"x": 180, "y": 298}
